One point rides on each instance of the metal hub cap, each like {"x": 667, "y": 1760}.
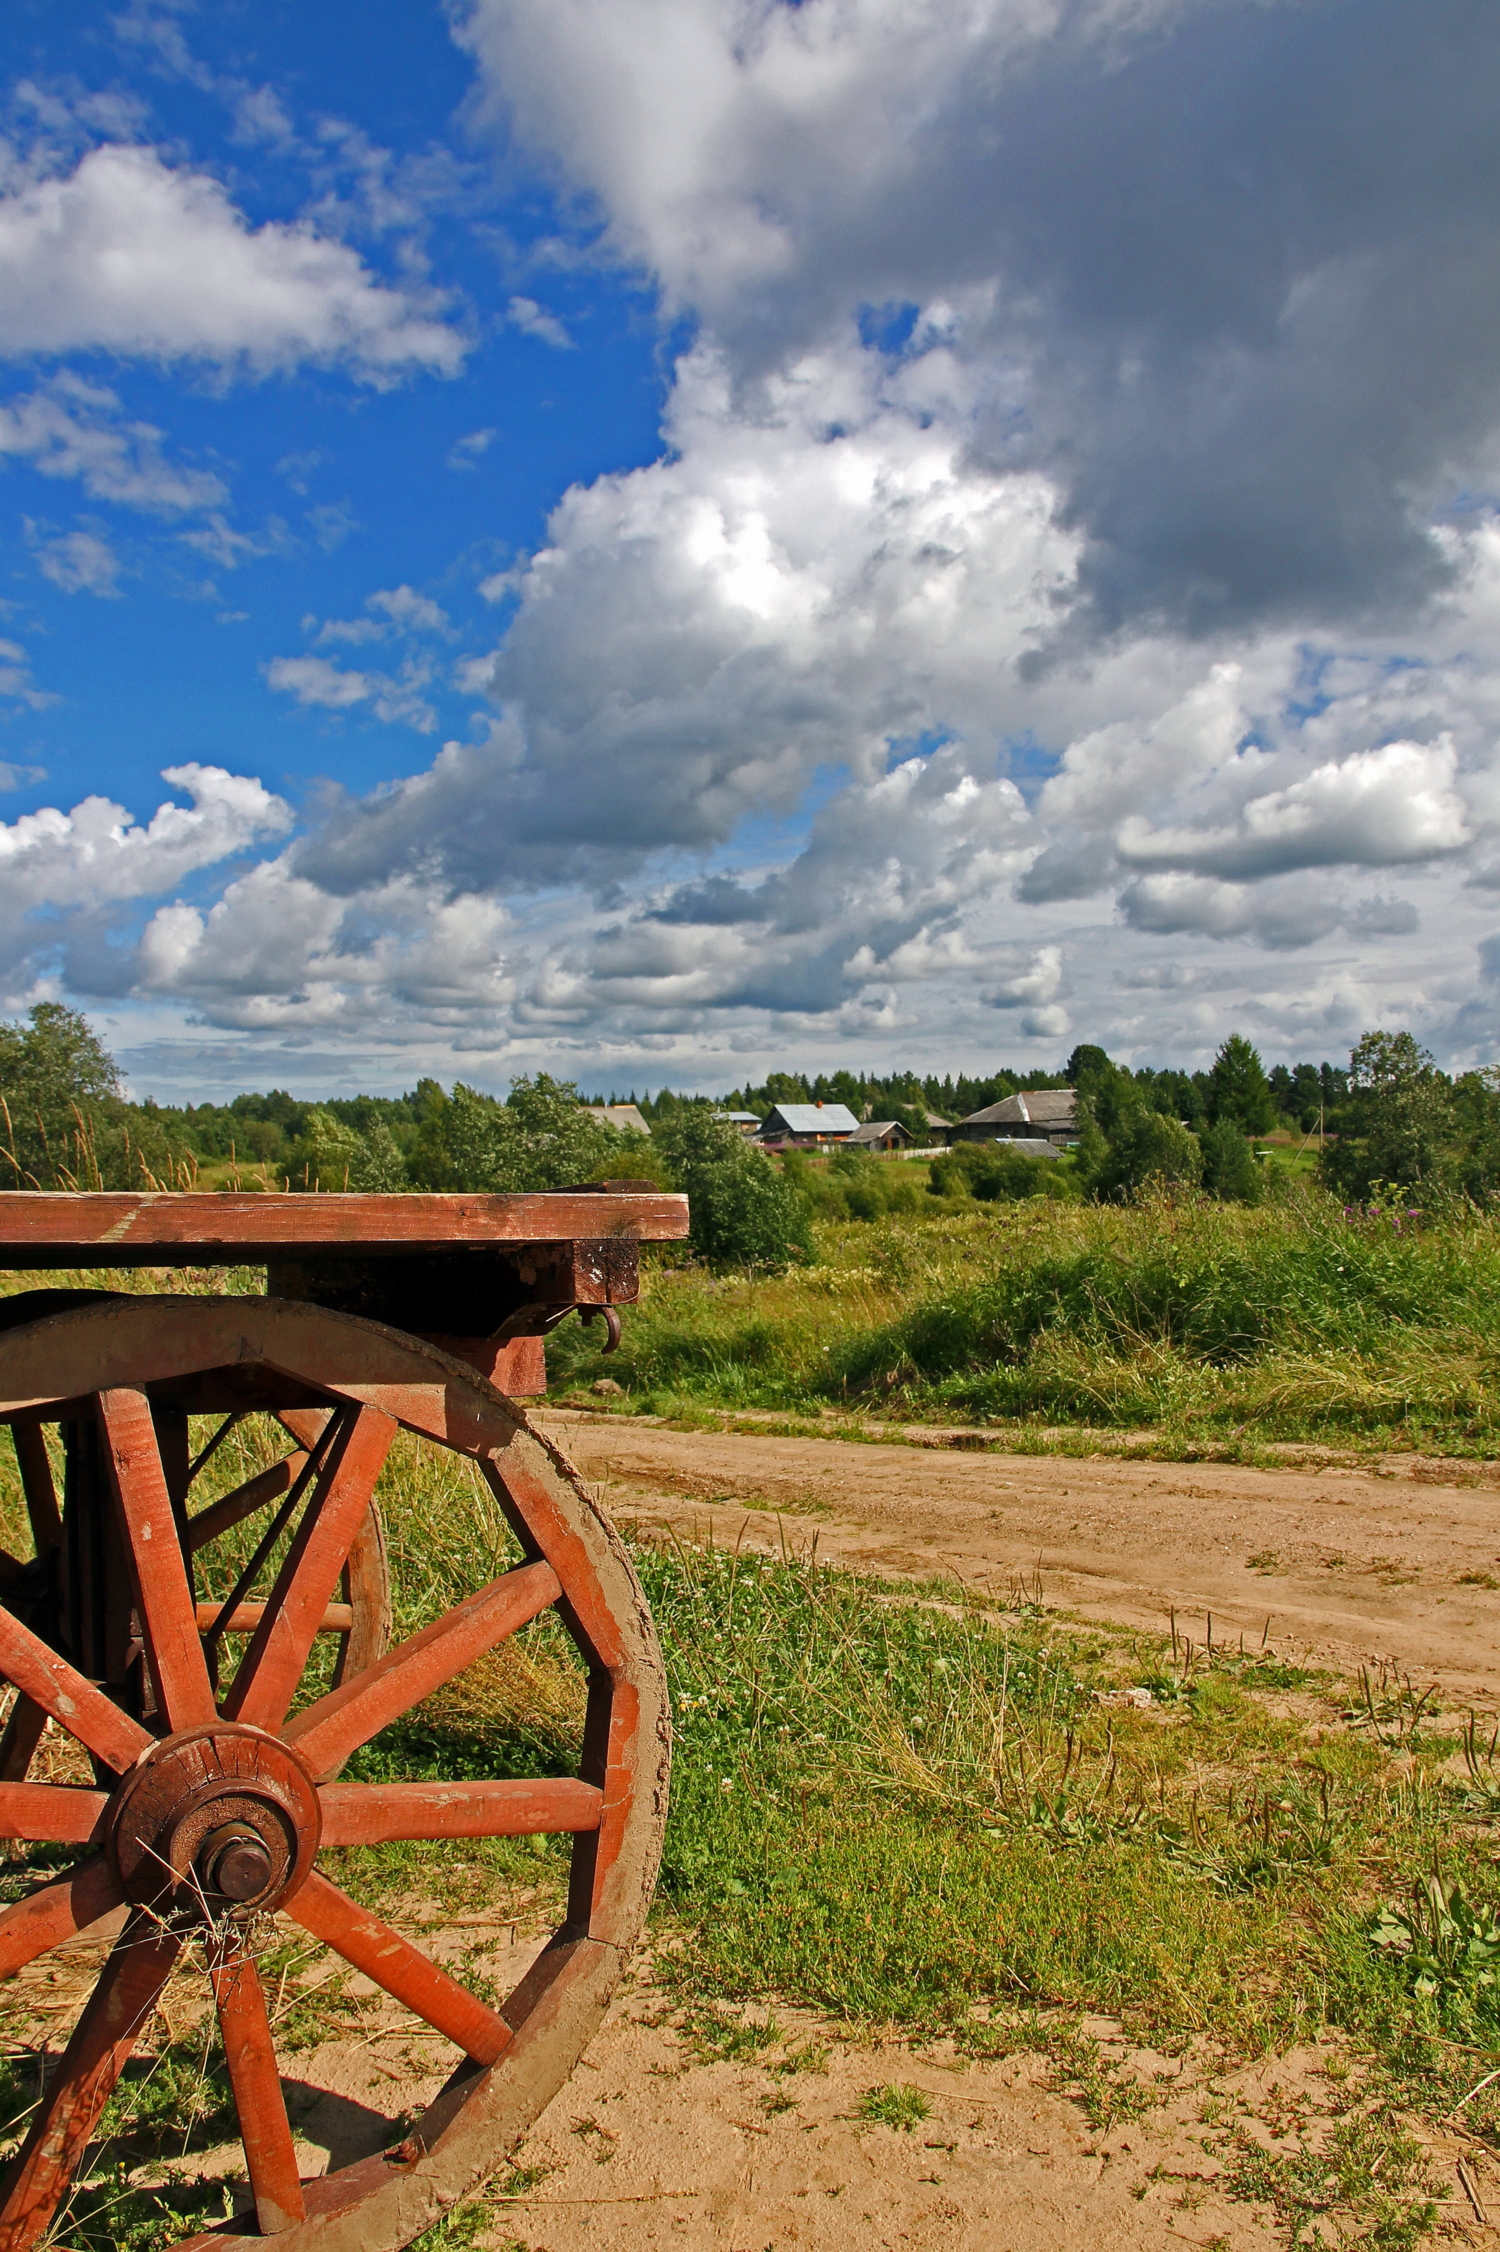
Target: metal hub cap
{"x": 218, "y": 1821}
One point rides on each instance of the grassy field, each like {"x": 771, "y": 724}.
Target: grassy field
{"x": 1206, "y": 1325}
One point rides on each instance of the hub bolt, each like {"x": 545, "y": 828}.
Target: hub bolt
{"x": 234, "y": 1862}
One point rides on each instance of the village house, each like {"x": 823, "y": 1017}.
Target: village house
{"x": 879, "y": 1133}
{"x": 806, "y": 1125}
{"x": 1042, "y": 1114}
{"x": 748, "y": 1121}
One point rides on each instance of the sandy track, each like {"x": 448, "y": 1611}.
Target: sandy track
{"x": 1350, "y": 1566}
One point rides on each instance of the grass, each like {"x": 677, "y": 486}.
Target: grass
{"x": 1206, "y": 1326}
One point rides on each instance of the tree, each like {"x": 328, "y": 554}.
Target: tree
{"x": 333, "y": 1156}
{"x": 60, "y": 1087}
{"x": 1229, "y": 1168}
{"x": 1148, "y": 1152}
{"x": 540, "y": 1138}
{"x": 744, "y": 1212}
{"x": 1397, "y": 1124}
{"x": 1238, "y": 1094}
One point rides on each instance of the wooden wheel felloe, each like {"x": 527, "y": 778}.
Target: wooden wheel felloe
{"x": 212, "y": 1798}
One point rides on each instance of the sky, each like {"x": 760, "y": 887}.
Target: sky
{"x": 660, "y": 540}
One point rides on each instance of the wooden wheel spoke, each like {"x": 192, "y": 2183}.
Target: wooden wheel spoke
{"x": 328, "y": 1731}
{"x": 36, "y": 1483}
{"x": 39, "y": 2175}
{"x": 56, "y": 1912}
{"x": 406, "y": 1974}
{"x": 375, "y": 1813}
{"x": 272, "y": 1666}
{"x": 51, "y": 1813}
{"x": 222, "y": 1515}
{"x": 250, "y": 2053}
{"x": 23, "y": 1732}
{"x": 74, "y": 1703}
{"x": 169, "y": 1625}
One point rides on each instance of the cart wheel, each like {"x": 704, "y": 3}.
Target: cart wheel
{"x": 213, "y": 1805}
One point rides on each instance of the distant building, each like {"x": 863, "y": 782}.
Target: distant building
{"x": 806, "y": 1125}
{"x": 1046, "y": 1114}
{"x": 879, "y": 1133}
{"x": 748, "y": 1121}
{"x": 939, "y": 1125}
{"x": 626, "y": 1116}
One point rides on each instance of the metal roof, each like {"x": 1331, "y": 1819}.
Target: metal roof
{"x": 811, "y": 1118}
{"x": 1039, "y": 1106}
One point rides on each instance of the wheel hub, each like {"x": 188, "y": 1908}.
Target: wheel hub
{"x": 218, "y": 1821}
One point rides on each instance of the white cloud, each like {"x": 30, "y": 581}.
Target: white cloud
{"x": 131, "y": 255}
{"x": 394, "y": 698}
{"x": 533, "y": 319}
{"x": 16, "y": 682}
{"x": 70, "y": 428}
{"x": 465, "y": 452}
{"x": 59, "y": 872}
{"x": 78, "y": 562}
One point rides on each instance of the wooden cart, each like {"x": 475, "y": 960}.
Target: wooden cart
{"x": 214, "y": 1777}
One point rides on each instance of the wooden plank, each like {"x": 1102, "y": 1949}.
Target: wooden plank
{"x": 100, "y": 1230}
{"x": 58, "y": 1912}
{"x": 168, "y": 1622}
{"x": 233, "y": 1508}
{"x": 337, "y": 1618}
{"x": 55, "y": 1813}
{"x": 250, "y": 2053}
{"x": 326, "y": 1733}
{"x": 75, "y": 1704}
{"x": 411, "y": 1977}
{"x": 377, "y": 1813}
{"x": 271, "y": 1668}
{"x": 63, "y": 2125}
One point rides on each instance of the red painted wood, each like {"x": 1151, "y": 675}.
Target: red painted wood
{"x": 545, "y": 1514}
{"x": 273, "y": 1665}
{"x": 250, "y": 2053}
{"x": 92, "y": 1230}
{"x": 75, "y": 1704}
{"x": 54, "y": 1811}
{"x": 63, "y": 2126}
{"x": 375, "y": 1813}
{"x": 58, "y": 1912}
{"x": 412, "y": 1978}
{"x": 23, "y": 1732}
{"x": 337, "y": 1618}
{"x": 328, "y": 1731}
{"x": 233, "y": 1508}
{"x": 169, "y": 1625}
{"x": 35, "y": 1467}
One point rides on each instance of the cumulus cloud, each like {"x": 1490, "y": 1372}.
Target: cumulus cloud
{"x": 1238, "y": 260}
{"x": 57, "y": 868}
{"x": 131, "y": 255}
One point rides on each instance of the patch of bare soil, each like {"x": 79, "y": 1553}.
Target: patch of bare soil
{"x": 1350, "y": 1566}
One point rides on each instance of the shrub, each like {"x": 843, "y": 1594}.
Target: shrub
{"x": 541, "y": 1137}
{"x": 993, "y": 1173}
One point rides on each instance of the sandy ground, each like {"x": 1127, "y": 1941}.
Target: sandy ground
{"x": 1350, "y": 1567}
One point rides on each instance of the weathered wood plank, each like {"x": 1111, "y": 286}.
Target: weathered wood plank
{"x": 108, "y": 1230}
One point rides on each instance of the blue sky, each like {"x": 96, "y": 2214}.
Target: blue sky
{"x": 658, "y": 538}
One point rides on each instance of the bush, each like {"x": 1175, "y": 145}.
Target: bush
{"x": 744, "y": 1213}
{"x": 1230, "y": 1171}
{"x": 333, "y": 1156}
{"x": 1148, "y": 1152}
{"x": 994, "y": 1174}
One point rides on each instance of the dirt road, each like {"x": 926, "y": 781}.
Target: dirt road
{"x": 1399, "y": 1565}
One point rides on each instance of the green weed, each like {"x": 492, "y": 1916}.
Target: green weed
{"x": 895, "y": 2106}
